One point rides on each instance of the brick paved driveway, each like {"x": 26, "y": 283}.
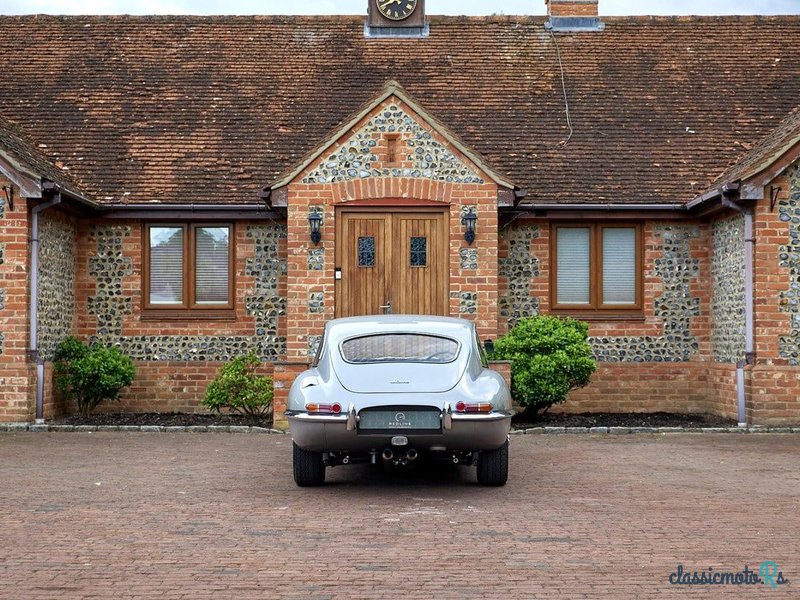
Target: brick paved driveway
{"x": 216, "y": 515}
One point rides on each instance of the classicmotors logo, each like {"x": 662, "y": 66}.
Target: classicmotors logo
{"x": 767, "y": 574}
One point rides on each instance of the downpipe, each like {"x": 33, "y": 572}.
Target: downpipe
{"x": 749, "y": 327}
{"x": 740, "y": 393}
{"x": 34, "y": 303}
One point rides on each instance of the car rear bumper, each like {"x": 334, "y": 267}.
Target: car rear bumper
{"x": 331, "y": 433}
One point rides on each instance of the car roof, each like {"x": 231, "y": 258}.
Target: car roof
{"x": 350, "y": 326}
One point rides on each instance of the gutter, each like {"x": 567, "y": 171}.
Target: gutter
{"x": 682, "y": 207}
{"x": 183, "y": 211}
{"x": 34, "y": 296}
{"x": 184, "y": 206}
{"x": 727, "y": 188}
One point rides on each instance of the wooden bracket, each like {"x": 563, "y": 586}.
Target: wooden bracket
{"x": 773, "y": 197}
{"x": 8, "y": 190}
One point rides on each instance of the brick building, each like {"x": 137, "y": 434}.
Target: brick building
{"x": 188, "y": 188}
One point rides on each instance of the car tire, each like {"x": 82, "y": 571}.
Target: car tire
{"x": 493, "y": 466}
{"x": 309, "y": 470}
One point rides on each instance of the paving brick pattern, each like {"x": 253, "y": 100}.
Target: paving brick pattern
{"x": 191, "y": 515}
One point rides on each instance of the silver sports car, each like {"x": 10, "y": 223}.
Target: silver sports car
{"x": 396, "y": 387}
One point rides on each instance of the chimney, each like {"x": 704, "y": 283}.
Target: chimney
{"x": 573, "y": 15}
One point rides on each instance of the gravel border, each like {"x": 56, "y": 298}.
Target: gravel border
{"x": 265, "y": 430}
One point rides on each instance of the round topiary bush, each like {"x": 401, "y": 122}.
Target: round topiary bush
{"x": 550, "y": 356}
{"x": 91, "y": 374}
{"x": 240, "y": 389}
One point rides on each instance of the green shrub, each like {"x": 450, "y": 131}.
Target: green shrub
{"x": 90, "y": 375}
{"x": 240, "y": 389}
{"x": 549, "y": 357}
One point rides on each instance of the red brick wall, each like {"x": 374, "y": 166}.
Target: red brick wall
{"x": 774, "y": 396}
{"x": 572, "y": 8}
{"x": 642, "y": 387}
{"x": 54, "y": 406}
{"x": 720, "y": 380}
{"x": 170, "y": 386}
{"x": 283, "y": 376}
{"x": 774, "y": 384}
{"x": 16, "y": 373}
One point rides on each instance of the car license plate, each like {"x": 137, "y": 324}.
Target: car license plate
{"x": 399, "y": 419}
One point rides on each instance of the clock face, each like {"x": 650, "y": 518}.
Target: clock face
{"x": 396, "y": 10}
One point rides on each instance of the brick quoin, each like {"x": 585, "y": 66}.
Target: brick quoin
{"x": 16, "y": 372}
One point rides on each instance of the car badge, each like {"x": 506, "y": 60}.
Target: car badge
{"x": 398, "y": 382}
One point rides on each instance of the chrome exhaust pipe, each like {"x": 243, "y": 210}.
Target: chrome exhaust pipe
{"x": 412, "y": 454}
{"x": 388, "y": 454}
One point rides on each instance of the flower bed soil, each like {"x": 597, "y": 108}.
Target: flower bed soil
{"x": 521, "y": 421}
{"x": 657, "y": 419}
{"x": 165, "y": 419}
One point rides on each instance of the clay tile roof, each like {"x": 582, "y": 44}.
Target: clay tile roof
{"x": 766, "y": 152}
{"x": 27, "y": 157}
{"x": 212, "y": 109}
{"x": 391, "y": 88}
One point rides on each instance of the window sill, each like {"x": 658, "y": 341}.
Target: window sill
{"x": 158, "y": 314}
{"x": 636, "y": 317}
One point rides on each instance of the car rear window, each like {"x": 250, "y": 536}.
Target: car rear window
{"x": 400, "y": 347}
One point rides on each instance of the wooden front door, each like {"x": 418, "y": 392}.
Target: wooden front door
{"x": 392, "y": 262}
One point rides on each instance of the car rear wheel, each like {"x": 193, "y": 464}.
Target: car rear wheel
{"x": 493, "y": 466}
{"x": 309, "y": 470}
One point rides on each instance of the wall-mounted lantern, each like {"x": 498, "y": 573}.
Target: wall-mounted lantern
{"x": 314, "y": 223}
{"x": 468, "y": 221}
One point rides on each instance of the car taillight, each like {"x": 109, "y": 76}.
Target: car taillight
{"x": 334, "y": 408}
{"x": 477, "y": 407}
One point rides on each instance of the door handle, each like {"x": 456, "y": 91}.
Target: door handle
{"x": 387, "y": 308}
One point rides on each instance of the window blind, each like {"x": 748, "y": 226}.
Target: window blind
{"x": 572, "y": 269}
{"x": 619, "y": 265}
{"x": 166, "y": 265}
{"x": 212, "y": 251}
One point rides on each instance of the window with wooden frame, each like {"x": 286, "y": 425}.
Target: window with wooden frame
{"x": 596, "y": 269}
{"x": 188, "y": 269}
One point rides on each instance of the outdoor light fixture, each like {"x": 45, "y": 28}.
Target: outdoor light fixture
{"x": 468, "y": 220}
{"x": 314, "y": 222}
